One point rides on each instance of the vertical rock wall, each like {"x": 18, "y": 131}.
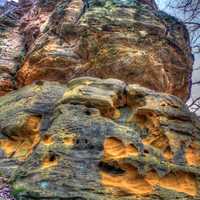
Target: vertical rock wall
{"x": 94, "y": 111}
{"x": 98, "y": 139}
{"x": 129, "y": 40}
{"x": 11, "y": 47}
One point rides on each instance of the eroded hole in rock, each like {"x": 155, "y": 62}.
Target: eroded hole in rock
{"x": 47, "y": 140}
{"x": 146, "y": 151}
{"x": 50, "y": 160}
{"x": 106, "y": 28}
{"x": 163, "y": 104}
{"x": 175, "y": 106}
{"x": 39, "y": 82}
{"x": 24, "y": 141}
{"x": 69, "y": 140}
{"x": 114, "y": 147}
{"x": 88, "y": 112}
{"x": 151, "y": 114}
{"x": 111, "y": 168}
{"x": 155, "y": 138}
{"x": 160, "y": 142}
{"x": 83, "y": 143}
{"x": 149, "y": 121}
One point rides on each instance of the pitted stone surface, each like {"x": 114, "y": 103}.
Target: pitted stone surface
{"x": 115, "y": 131}
{"x": 99, "y": 139}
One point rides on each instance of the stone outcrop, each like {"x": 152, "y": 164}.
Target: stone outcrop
{"x": 96, "y": 102}
{"x": 11, "y": 48}
{"x": 98, "y": 139}
{"x": 129, "y": 40}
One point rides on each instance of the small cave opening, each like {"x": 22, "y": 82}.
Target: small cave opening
{"x": 50, "y": 160}
{"x": 112, "y": 168}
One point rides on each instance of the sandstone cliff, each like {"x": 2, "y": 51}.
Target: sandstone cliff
{"x": 96, "y": 102}
{"x": 98, "y": 139}
{"x": 128, "y": 40}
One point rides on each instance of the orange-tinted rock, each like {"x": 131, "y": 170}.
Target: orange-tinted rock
{"x": 150, "y": 47}
{"x": 49, "y": 161}
{"x": 114, "y": 148}
{"x": 97, "y": 138}
{"x": 66, "y": 137}
{"x": 178, "y": 181}
{"x": 48, "y": 140}
{"x": 21, "y": 145}
{"x": 193, "y": 154}
{"x": 130, "y": 181}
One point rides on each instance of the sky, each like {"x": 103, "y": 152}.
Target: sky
{"x": 162, "y": 3}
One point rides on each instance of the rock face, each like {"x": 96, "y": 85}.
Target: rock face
{"x": 128, "y": 40}
{"x": 12, "y": 50}
{"x": 10, "y": 47}
{"x": 98, "y": 139}
{"x": 91, "y": 112}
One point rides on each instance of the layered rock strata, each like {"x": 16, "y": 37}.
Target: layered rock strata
{"x": 115, "y": 131}
{"x": 98, "y": 139}
{"x": 129, "y": 40}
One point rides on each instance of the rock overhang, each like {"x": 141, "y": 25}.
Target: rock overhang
{"x": 116, "y": 136}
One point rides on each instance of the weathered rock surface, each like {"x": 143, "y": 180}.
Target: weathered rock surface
{"x": 128, "y": 40}
{"x": 115, "y": 131}
{"x": 11, "y": 47}
{"x": 98, "y": 139}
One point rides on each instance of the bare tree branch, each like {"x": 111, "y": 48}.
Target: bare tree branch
{"x": 194, "y": 102}
{"x": 196, "y": 83}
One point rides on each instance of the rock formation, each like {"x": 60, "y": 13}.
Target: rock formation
{"x": 118, "y": 39}
{"x": 128, "y": 40}
{"x": 98, "y": 139}
{"x": 10, "y": 47}
{"x": 97, "y": 103}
